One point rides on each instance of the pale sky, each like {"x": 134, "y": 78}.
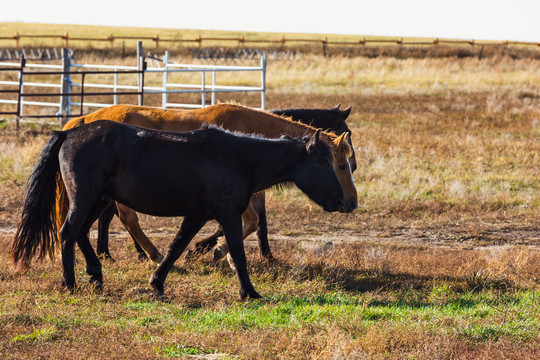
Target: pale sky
{"x": 462, "y": 19}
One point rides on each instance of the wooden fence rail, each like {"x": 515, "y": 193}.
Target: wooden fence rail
{"x": 66, "y": 38}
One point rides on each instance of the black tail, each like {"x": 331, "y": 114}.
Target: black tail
{"x": 36, "y": 233}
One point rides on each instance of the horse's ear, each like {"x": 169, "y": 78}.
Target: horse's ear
{"x": 336, "y": 108}
{"x": 339, "y": 140}
{"x": 345, "y": 113}
{"x": 343, "y": 140}
{"x": 314, "y": 139}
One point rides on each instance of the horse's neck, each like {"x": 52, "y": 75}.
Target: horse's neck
{"x": 272, "y": 163}
{"x": 263, "y": 123}
{"x": 274, "y": 126}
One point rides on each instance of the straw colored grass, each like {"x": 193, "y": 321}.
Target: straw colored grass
{"x": 441, "y": 260}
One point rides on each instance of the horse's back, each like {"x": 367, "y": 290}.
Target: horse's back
{"x": 229, "y": 116}
{"x": 155, "y": 165}
{"x": 148, "y": 117}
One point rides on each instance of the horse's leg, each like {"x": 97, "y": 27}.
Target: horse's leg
{"x": 103, "y": 234}
{"x": 141, "y": 254}
{"x": 93, "y": 265}
{"x": 68, "y": 236}
{"x": 249, "y": 222}
{"x": 259, "y": 204}
{"x": 232, "y": 226}
{"x": 69, "y": 233}
{"x": 103, "y": 230}
{"x": 130, "y": 220}
{"x": 190, "y": 227}
{"x": 206, "y": 244}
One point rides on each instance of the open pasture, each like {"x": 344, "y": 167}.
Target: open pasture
{"x": 440, "y": 261}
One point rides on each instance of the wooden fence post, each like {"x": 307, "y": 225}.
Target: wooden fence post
{"x": 65, "y": 99}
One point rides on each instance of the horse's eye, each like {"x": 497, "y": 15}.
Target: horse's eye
{"x": 324, "y": 163}
{"x": 341, "y": 167}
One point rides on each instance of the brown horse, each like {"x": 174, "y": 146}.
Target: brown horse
{"x": 231, "y": 117}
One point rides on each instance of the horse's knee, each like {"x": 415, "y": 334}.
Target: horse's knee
{"x": 67, "y": 238}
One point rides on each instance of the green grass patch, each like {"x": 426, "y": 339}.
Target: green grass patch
{"x": 474, "y": 315}
{"x": 177, "y": 350}
{"x": 38, "y": 336}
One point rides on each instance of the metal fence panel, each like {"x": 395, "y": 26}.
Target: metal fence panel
{"x": 72, "y": 84}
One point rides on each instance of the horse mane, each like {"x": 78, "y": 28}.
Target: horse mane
{"x": 286, "y": 138}
{"x": 330, "y": 110}
{"x": 288, "y": 119}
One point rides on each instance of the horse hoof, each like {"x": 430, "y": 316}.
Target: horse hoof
{"x": 251, "y": 294}
{"x": 219, "y": 253}
{"x": 96, "y": 284}
{"x": 142, "y": 257}
{"x": 70, "y": 287}
{"x": 160, "y": 296}
{"x": 268, "y": 258}
{"x": 106, "y": 256}
{"x": 156, "y": 285}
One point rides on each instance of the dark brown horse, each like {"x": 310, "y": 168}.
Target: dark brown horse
{"x": 231, "y": 117}
{"x": 201, "y": 175}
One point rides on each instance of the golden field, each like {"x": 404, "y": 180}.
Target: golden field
{"x": 440, "y": 261}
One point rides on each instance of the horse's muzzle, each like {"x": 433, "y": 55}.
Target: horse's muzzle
{"x": 347, "y": 206}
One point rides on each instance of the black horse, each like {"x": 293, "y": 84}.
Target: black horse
{"x": 332, "y": 119}
{"x": 201, "y": 175}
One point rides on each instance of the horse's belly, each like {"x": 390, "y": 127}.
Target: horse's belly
{"x": 159, "y": 200}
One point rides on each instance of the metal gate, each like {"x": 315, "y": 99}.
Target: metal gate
{"x": 72, "y": 76}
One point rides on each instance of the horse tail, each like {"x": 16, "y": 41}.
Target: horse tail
{"x": 36, "y": 233}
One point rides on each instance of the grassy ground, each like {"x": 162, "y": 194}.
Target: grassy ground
{"x": 441, "y": 260}
{"x": 362, "y": 300}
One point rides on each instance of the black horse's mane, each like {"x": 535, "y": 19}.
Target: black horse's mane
{"x": 305, "y": 110}
{"x": 298, "y": 140}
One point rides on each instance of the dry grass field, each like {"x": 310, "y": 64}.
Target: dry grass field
{"x": 440, "y": 261}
